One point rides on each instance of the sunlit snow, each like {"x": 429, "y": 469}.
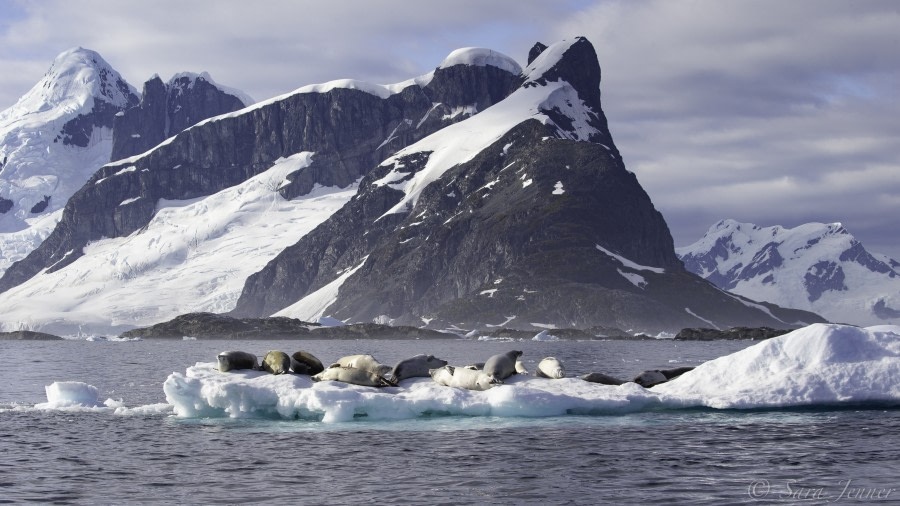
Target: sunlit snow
{"x": 182, "y": 261}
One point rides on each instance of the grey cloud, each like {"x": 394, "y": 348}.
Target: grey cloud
{"x": 764, "y": 111}
{"x": 767, "y": 112}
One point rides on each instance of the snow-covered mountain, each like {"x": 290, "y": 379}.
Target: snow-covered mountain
{"x": 818, "y": 267}
{"x": 522, "y": 215}
{"x": 180, "y": 227}
{"x": 79, "y": 116}
{"x": 480, "y": 194}
{"x": 51, "y": 141}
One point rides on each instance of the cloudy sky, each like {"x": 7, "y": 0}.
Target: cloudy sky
{"x": 769, "y": 112}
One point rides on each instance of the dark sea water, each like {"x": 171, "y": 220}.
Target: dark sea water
{"x": 811, "y": 456}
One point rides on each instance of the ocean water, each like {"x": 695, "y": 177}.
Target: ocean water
{"x": 813, "y": 456}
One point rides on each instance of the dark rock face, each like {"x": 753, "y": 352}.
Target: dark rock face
{"x": 735, "y": 333}
{"x": 5, "y": 205}
{"x": 349, "y": 130}
{"x": 822, "y": 277}
{"x": 465, "y": 254}
{"x": 535, "y": 51}
{"x": 41, "y": 206}
{"x": 28, "y": 335}
{"x": 857, "y": 253}
{"x": 885, "y": 312}
{"x": 78, "y": 131}
{"x": 213, "y": 326}
{"x": 165, "y": 110}
{"x": 376, "y": 331}
{"x": 765, "y": 260}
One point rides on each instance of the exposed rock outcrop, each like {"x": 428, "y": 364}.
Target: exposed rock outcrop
{"x": 28, "y": 335}
{"x": 735, "y": 333}
{"x": 168, "y": 108}
{"x": 214, "y": 326}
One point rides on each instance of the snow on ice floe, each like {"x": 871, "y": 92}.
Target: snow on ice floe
{"x": 815, "y": 365}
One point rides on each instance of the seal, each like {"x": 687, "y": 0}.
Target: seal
{"x": 277, "y": 362}
{"x": 461, "y": 377}
{"x": 603, "y": 379}
{"x": 499, "y": 367}
{"x": 551, "y": 368}
{"x": 305, "y": 363}
{"x": 520, "y": 367}
{"x": 365, "y": 362}
{"x": 648, "y": 379}
{"x": 416, "y": 367}
{"x": 235, "y": 360}
{"x": 353, "y": 376}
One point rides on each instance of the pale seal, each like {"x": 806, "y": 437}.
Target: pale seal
{"x": 353, "y": 376}
{"x": 416, "y": 367}
{"x": 305, "y": 363}
{"x": 461, "y": 377}
{"x": 520, "y": 367}
{"x": 603, "y": 379}
{"x": 235, "y": 360}
{"x": 499, "y": 367}
{"x": 551, "y": 368}
{"x": 365, "y": 362}
{"x": 277, "y": 362}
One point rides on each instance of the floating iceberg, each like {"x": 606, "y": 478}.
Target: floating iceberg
{"x": 70, "y": 394}
{"x": 815, "y": 365}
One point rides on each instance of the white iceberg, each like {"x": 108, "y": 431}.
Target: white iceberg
{"x": 815, "y": 365}
{"x": 70, "y": 394}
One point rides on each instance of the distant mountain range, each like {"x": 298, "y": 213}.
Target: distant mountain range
{"x": 818, "y": 267}
{"x": 482, "y": 194}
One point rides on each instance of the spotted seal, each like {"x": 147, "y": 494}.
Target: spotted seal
{"x": 603, "y": 379}
{"x": 305, "y": 363}
{"x": 236, "y": 360}
{"x": 648, "y": 379}
{"x": 416, "y": 367}
{"x": 277, "y": 362}
{"x": 501, "y": 366}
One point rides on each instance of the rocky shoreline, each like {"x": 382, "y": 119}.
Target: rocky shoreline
{"x": 216, "y": 326}
{"x": 734, "y": 333}
{"x": 27, "y": 335}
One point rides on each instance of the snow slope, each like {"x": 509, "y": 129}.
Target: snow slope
{"x": 815, "y": 365}
{"x": 193, "y": 256}
{"x": 817, "y": 267}
{"x": 36, "y": 162}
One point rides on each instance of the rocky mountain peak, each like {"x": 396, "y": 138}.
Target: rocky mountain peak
{"x": 573, "y": 61}
{"x": 535, "y": 51}
{"x": 168, "y": 108}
